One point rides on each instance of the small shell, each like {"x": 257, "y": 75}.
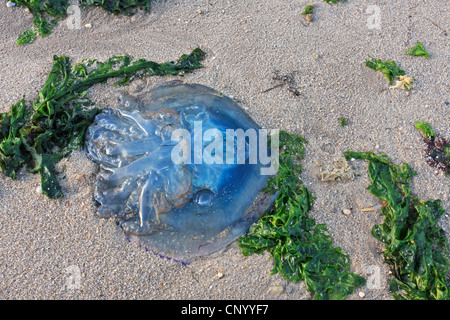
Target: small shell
{"x": 10, "y": 4}
{"x": 309, "y": 17}
{"x": 277, "y": 289}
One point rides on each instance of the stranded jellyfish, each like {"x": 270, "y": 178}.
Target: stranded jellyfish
{"x": 181, "y": 169}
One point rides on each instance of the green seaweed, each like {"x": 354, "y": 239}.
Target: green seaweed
{"x": 389, "y": 68}
{"x": 39, "y": 8}
{"x": 342, "y": 121}
{"x": 416, "y": 247}
{"x": 28, "y": 36}
{"x": 300, "y": 248}
{"x": 118, "y": 6}
{"x": 57, "y": 9}
{"x": 425, "y": 128}
{"x": 40, "y": 134}
{"x": 418, "y": 50}
{"x": 334, "y": 1}
{"x": 308, "y": 10}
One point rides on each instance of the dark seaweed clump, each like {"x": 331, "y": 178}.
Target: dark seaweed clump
{"x": 437, "y": 149}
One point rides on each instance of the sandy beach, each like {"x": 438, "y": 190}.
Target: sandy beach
{"x": 45, "y": 243}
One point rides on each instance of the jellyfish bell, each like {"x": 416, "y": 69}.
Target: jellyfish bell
{"x": 184, "y": 208}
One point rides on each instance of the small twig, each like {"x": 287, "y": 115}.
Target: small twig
{"x": 275, "y": 86}
{"x": 444, "y": 32}
{"x": 284, "y": 79}
{"x": 375, "y": 207}
{"x": 193, "y": 277}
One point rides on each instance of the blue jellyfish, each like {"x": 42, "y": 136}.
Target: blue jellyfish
{"x": 179, "y": 169}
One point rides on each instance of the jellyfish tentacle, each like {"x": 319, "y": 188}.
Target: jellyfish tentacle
{"x": 142, "y": 225}
{"x": 145, "y": 201}
{"x": 157, "y": 160}
{"x": 121, "y": 126}
{"x": 145, "y": 125}
{"x": 134, "y": 148}
{"x": 113, "y": 198}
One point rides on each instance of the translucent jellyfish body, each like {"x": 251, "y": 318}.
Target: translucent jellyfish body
{"x": 178, "y": 169}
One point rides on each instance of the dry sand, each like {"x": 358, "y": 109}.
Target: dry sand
{"x": 44, "y": 242}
